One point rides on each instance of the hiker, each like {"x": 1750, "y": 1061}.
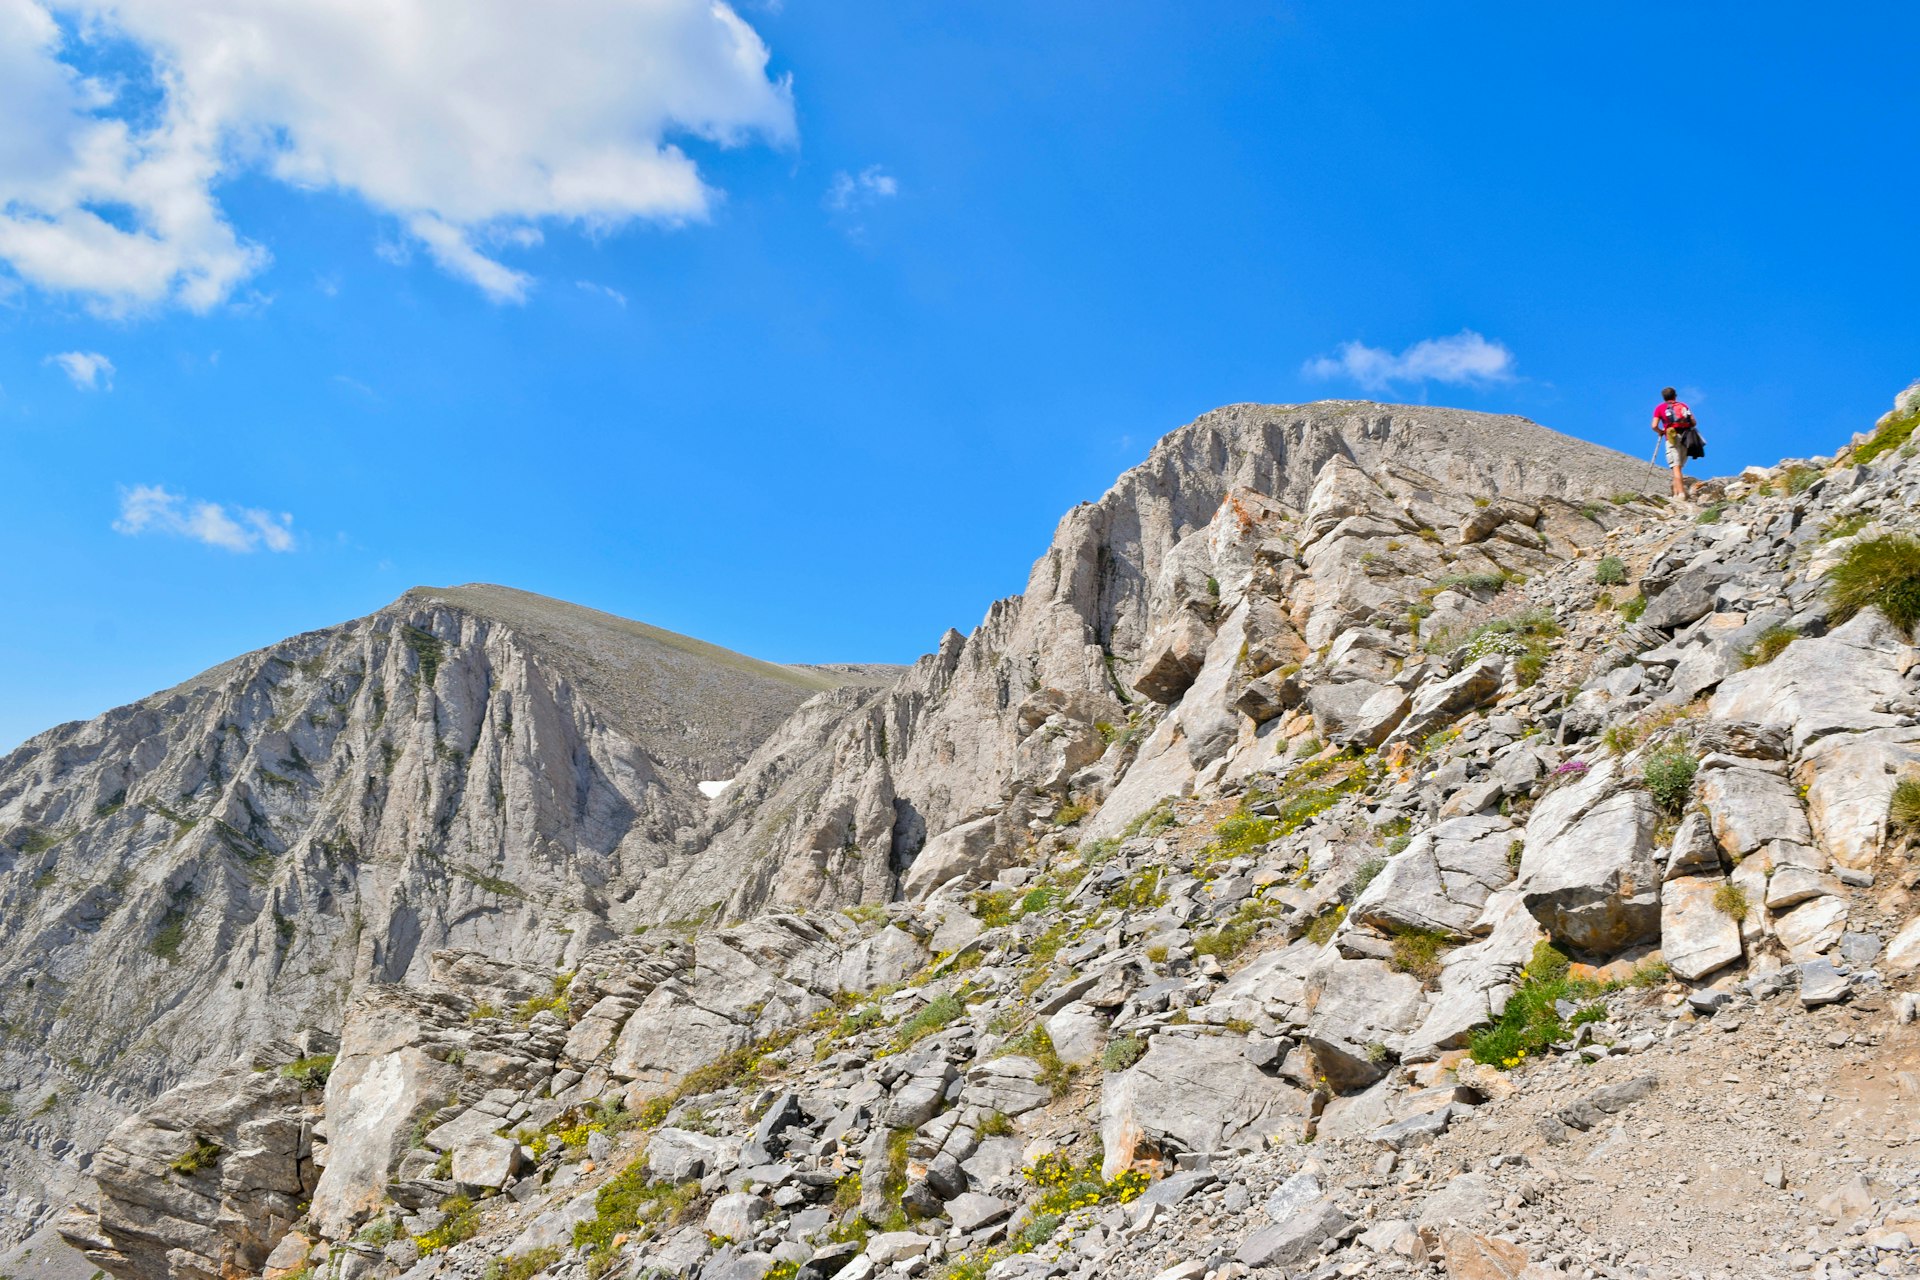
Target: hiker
{"x": 1673, "y": 422}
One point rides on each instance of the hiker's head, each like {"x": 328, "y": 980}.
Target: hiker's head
{"x": 1668, "y": 393}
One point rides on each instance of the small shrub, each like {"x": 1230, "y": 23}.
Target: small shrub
{"x": 994, "y": 907}
{"x": 201, "y": 1155}
{"x": 1623, "y": 497}
{"x": 311, "y": 1073}
{"x": 1151, "y": 823}
{"x": 1888, "y": 437}
{"x": 1242, "y": 833}
{"x": 1531, "y": 1021}
{"x": 525, "y": 1266}
{"x": 1881, "y": 573}
{"x": 1122, "y": 1052}
{"x": 1845, "y": 526}
{"x": 1610, "y": 572}
{"x": 933, "y": 1017}
{"x": 1711, "y": 513}
{"x": 1592, "y": 511}
{"x": 1620, "y": 738}
{"x": 1369, "y": 869}
{"x": 1731, "y": 900}
{"x": 1473, "y": 583}
{"x": 1320, "y": 931}
{"x": 995, "y": 1124}
{"x": 1631, "y": 609}
{"x": 1418, "y": 952}
{"x": 1903, "y": 809}
{"x": 1798, "y": 479}
{"x": 1669, "y": 777}
{"x": 1095, "y": 852}
{"x": 1770, "y": 644}
{"x": 1140, "y": 892}
{"x": 1649, "y": 974}
{"x": 1068, "y": 814}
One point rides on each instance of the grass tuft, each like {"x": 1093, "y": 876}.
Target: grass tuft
{"x": 1881, "y": 573}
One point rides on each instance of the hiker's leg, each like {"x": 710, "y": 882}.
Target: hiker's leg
{"x": 1679, "y": 481}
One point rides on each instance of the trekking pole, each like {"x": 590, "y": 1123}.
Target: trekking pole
{"x": 1654, "y": 461}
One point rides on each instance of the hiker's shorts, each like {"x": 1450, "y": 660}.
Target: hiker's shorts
{"x": 1676, "y": 453}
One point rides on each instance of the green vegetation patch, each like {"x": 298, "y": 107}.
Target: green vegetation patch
{"x": 934, "y": 1016}
{"x": 629, "y": 1205}
{"x": 1769, "y": 645}
{"x": 1668, "y": 774}
{"x": 429, "y": 651}
{"x": 203, "y": 1154}
{"x": 1891, "y": 435}
{"x": 1903, "y": 809}
{"x": 1881, "y": 573}
{"x": 310, "y": 1073}
{"x": 1531, "y": 1021}
{"x": 1610, "y": 572}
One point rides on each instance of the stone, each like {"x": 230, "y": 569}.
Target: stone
{"x": 1469, "y": 1256}
{"x": 1357, "y": 1007}
{"x": 735, "y": 1216}
{"x": 1812, "y": 928}
{"x": 1437, "y": 705}
{"x": 970, "y": 1211}
{"x": 970, "y": 852}
{"x": 1696, "y": 937}
{"x": 1077, "y": 1033}
{"x": 1188, "y": 1095}
{"x": 1687, "y": 598}
{"x": 1414, "y": 1131}
{"x": 1694, "y": 850}
{"x": 679, "y": 1155}
{"x": 1172, "y": 661}
{"x": 1289, "y": 1243}
{"x": 1789, "y": 886}
{"x": 885, "y": 959}
{"x": 1011, "y": 1085}
{"x": 1903, "y": 953}
{"x": 1588, "y": 872}
{"x": 1750, "y": 808}
{"x": 1172, "y": 1190}
{"x": 1442, "y": 880}
{"x": 669, "y": 1035}
{"x": 487, "y": 1163}
{"x": 1852, "y": 785}
{"x": 1824, "y": 685}
{"x": 889, "y": 1247}
{"x": 1821, "y": 983}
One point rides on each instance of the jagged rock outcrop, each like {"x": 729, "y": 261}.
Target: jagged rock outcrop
{"x": 230, "y": 861}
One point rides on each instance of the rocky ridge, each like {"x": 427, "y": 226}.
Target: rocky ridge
{"x": 1192, "y": 996}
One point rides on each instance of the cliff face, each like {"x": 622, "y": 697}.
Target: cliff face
{"x": 942, "y": 748}
{"x": 224, "y": 864}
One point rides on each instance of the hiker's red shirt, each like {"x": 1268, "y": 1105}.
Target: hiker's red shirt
{"x": 1670, "y": 414}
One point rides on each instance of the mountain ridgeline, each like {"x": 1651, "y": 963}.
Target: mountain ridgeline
{"x": 460, "y": 850}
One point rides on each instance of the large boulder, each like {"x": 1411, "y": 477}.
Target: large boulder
{"x": 1439, "y": 704}
{"x": 973, "y": 851}
{"x": 1442, "y": 880}
{"x": 1359, "y": 1011}
{"x": 1173, "y": 660}
{"x": 668, "y": 1036}
{"x": 1696, "y": 937}
{"x": 1477, "y": 980}
{"x": 1588, "y": 872}
{"x": 1837, "y": 683}
{"x": 1189, "y": 1094}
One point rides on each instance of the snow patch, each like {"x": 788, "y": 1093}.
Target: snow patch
{"x": 712, "y": 789}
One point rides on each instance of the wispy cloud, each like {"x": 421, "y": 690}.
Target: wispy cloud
{"x": 1466, "y": 357}
{"x": 89, "y": 370}
{"x": 850, "y": 191}
{"x": 605, "y": 291}
{"x": 152, "y": 508}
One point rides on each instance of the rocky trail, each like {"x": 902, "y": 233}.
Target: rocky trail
{"x": 1476, "y": 869}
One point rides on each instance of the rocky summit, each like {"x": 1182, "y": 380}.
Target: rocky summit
{"x": 1381, "y": 841}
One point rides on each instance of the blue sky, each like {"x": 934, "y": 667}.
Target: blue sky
{"x": 814, "y": 363}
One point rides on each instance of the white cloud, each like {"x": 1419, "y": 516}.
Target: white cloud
{"x": 1466, "y": 357}
{"x": 89, "y": 370}
{"x": 152, "y": 508}
{"x": 471, "y": 122}
{"x": 605, "y": 291}
{"x": 850, "y": 191}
